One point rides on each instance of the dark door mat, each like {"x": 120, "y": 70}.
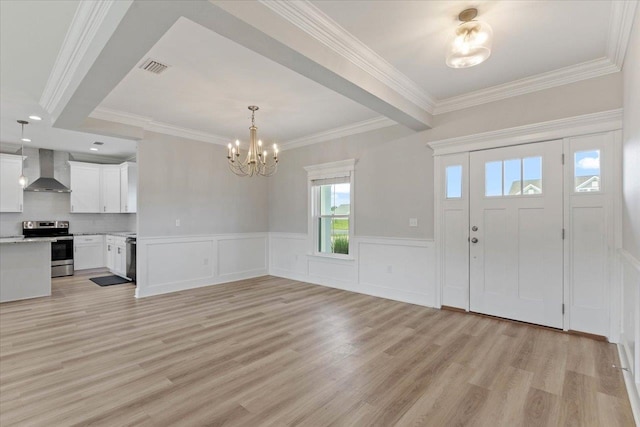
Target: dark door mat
{"x": 109, "y": 280}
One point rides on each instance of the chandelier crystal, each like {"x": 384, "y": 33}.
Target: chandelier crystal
{"x": 257, "y": 161}
{"x": 470, "y": 44}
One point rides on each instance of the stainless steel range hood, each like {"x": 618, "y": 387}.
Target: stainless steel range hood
{"x": 47, "y": 182}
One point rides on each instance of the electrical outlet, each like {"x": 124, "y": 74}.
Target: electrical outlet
{"x": 413, "y": 222}
{"x": 177, "y": 223}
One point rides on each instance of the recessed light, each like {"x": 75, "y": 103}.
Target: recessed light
{"x": 36, "y": 118}
{"x": 93, "y": 149}
{"x": 25, "y": 140}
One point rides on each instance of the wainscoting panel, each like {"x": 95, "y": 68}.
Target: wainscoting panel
{"x": 170, "y": 264}
{"x": 398, "y": 269}
{"x": 245, "y": 255}
{"x": 629, "y": 347}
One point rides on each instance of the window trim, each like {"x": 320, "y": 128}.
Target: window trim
{"x": 339, "y": 169}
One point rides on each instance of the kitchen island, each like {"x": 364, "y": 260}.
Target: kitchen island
{"x": 25, "y": 268}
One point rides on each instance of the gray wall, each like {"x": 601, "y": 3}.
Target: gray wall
{"x": 631, "y": 145}
{"x": 189, "y": 180}
{"x": 393, "y": 182}
{"x": 394, "y": 173}
{"x": 583, "y": 97}
{"x": 55, "y": 206}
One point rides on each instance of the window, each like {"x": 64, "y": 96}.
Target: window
{"x": 586, "y": 171}
{"x": 514, "y": 177}
{"x": 334, "y": 210}
{"x": 454, "y": 181}
{"x": 331, "y": 208}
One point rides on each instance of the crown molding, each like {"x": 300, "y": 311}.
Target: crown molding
{"x": 554, "y": 129}
{"x": 86, "y": 22}
{"x": 304, "y": 15}
{"x": 620, "y": 26}
{"x": 562, "y": 76}
{"x": 148, "y": 124}
{"x": 339, "y": 132}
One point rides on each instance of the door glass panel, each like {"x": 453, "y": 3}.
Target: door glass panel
{"x": 454, "y": 182}
{"x": 493, "y": 179}
{"x": 587, "y": 171}
{"x": 512, "y": 178}
{"x": 532, "y": 175}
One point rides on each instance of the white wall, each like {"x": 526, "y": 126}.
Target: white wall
{"x": 629, "y": 256}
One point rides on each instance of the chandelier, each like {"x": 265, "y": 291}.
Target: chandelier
{"x": 470, "y": 43}
{"x": 256, "y": 162}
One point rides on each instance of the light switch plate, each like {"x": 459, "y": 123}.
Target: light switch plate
{"x": 413, "y": 222}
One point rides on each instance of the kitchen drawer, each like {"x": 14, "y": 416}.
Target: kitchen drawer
{"x": 87, "y": 239}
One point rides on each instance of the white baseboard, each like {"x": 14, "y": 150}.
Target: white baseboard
{"x": 632, "y": 386}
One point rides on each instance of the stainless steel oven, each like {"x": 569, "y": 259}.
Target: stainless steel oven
{"x": 61, "y": 249}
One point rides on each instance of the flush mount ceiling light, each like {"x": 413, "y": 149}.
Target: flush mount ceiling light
{"x": 36, "y": 118}
{"x": 470, "y": 43}
{"x": 256, "y": 162}
{"x": 22, "y": 180}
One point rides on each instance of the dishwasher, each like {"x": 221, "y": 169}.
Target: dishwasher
{"x": 131, "y": 257}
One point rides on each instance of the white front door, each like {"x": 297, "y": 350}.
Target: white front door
{"x": 516, "y": 247}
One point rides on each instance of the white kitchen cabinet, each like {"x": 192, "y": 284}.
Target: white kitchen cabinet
{"x": 85, "y": 187}
{"x": 128, "y": 187}
{"x": 110, "y": 193}
{"x": 109, "y": 252}
{"x": 11, "y": 193}
{"x": 116, "y": 255}
{"x": 88, "y": 252}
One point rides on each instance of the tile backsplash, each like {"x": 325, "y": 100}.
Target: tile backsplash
{"x": 55, "y": 206}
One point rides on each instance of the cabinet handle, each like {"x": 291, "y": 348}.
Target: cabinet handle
{"x": 71, "y": 208}
{"x": 109, "y": 248}
{"x": 118, "y": 250}
{"x": 126, "y": 209}
{"x": 105, "y": 208}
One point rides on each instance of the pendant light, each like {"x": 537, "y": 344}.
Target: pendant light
{"x": 470, "y": 43}
{"x": 23, "y": 180}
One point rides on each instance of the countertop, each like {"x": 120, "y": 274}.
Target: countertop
{"x": 20, "y": 239}
{"x": 106, "y": 233}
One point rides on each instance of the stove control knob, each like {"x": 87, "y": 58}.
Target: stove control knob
{"x": 30, "y": 224}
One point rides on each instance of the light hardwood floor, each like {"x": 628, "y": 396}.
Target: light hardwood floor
{"x": 272, "y": 351}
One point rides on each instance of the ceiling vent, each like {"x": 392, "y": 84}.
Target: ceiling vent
{"x": 98, "y": 143}
{"x": 153, "y": 66}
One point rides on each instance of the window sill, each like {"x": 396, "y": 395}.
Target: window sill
{"x": 333, "y": 257}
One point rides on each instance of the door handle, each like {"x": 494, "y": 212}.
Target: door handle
{"x": 474, "y": 240}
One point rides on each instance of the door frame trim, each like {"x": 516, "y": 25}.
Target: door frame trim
{"x": 604, "y": 121}
{"x": 585, "y": 124}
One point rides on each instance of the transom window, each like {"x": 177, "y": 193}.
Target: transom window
{"x": 513, "y": 177}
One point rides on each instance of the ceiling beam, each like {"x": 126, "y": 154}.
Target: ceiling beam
{"x": 114, "y": 41}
